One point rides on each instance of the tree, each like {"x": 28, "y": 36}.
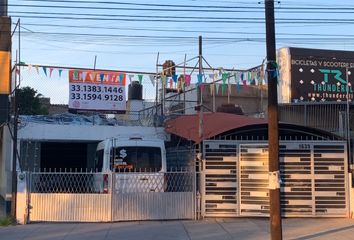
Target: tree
{"x": 29, "y": 102}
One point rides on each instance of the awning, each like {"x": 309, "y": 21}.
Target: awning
{"x": 187, "y": 126}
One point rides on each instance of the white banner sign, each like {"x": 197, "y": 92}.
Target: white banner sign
{"x": 101, "y": 91}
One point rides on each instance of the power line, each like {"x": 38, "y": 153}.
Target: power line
{"x": 178, "y": 38}
{"x": 190, "y": 6}
{"x": 180, "y": 17}
{"x": 246, "y": 20}
{"x": 177, "y": 30}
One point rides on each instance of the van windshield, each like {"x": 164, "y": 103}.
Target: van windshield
{"x": 136, "y": 159}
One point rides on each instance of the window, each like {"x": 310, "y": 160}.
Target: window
{"x": 137, "y": 159}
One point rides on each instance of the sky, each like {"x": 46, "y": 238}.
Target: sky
{"x": 127, "y": 35}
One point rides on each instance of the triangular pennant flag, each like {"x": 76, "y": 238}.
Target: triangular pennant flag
{"x": 152, "y": 79}
{"x": 140, "y": 77}
{"x": 224, "y": 77}
{"x": 121, "y": 77}
{"x": 211, "y": 76}
{"x": 60, "y": 71}
{"x": 217, "y": 86}
{"x": 101, "y": 77}
{"x": 174, "y": 78}
{"x": 200, "y": 78}
{"x": 29, "y": 67}
{"x": 37, "y": 69}
{"x": 211, "y": 88}
{"x": 179, "y": 84}
{"x": 50, "y": 72}
{"x": 131, "y": 77}
{"x": 76, "y": 75}
{"x": 163, "y": 80}
{"x": 45, "y": 70}
{"x": 187, "y": 79}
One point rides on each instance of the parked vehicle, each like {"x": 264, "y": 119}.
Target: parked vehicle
{"x": 138, "y": 164}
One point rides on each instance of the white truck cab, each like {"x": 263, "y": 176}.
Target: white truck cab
{"x": 138, "y": 164}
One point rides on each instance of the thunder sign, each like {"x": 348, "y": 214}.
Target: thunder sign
{"x": 315, "y": 75}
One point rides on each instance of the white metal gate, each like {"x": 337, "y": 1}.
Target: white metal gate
{"x": 153, "y": 196}
{"x": 81, "y": 197}
{"x": 314, "y": 179}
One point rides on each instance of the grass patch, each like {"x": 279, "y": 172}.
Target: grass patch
{"x": 6, "y": 221}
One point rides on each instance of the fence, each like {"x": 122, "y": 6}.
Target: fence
{"x": 312, "y": 115}
{"x": 104, "y": 197}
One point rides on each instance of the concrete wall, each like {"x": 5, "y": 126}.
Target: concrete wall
{"x": 252, "y": 99}
{"x": 5, "y": 166}
{"x": 57, "y": 132}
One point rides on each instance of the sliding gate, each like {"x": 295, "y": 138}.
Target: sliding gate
{"x": 105, "y": 197}
{"x": 313, "y": 173}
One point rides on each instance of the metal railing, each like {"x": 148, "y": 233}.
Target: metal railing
{"x": 322, "y": 115}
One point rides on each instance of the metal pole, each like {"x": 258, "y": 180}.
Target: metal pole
{"x": 273, "y": 131}
{"x": 200, "y": 95}
{"x": 184, "y": 84}
{"x": 348, "y": 119}
{"x": 15, "y": 119}
{"x": 157, "y": 81}
{"x": 94, "y": 63}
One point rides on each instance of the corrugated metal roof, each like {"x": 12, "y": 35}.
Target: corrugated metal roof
{"x": 187, "y": 126}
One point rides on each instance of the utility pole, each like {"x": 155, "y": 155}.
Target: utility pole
{"x": 3, "y": 8}
{"x": 273, "y": 131}
{"x": 200, "y": 108}
{"x": 200, "y": 95}
{"x": 5, "y": 88}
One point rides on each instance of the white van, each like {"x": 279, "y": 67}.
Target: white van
{"x": 138, "y": 164}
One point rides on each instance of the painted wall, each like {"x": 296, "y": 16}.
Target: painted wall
{"x": 5, "y": 164}
{"x": 57, "y": 132}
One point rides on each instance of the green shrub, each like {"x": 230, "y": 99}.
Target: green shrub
{"x": 6, "y": 221}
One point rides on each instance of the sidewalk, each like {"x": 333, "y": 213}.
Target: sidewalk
{"x": 213, "y": 229}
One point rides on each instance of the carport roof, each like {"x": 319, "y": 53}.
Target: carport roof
{"x": 187, "y": 126}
